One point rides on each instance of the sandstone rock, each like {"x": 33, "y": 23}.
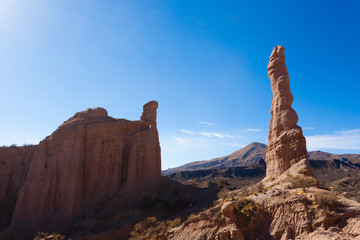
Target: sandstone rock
{"x": 14, "y": 165}
{"x": 87, "y": 159}
{"x": 205, "y": 226}
{"x": 149, "y": 111}
{"x": 227, "y": 209}
{"x": 287, "y": 144}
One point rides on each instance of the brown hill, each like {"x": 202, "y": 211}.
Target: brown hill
{"x": 319, "y": 155}
{"x": 251, "y": 155}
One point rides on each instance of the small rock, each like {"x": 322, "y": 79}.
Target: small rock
{"x": 227, "y": 209}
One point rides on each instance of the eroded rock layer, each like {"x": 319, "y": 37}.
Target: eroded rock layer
{"x": 87, "y": 159}
{"x": 14, "y": 167}
{"x": 286, "y": 145}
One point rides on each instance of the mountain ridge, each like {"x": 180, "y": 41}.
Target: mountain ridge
{"x": 251, "y": 155}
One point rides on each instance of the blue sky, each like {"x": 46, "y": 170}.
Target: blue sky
{"x": 204, "y": 61}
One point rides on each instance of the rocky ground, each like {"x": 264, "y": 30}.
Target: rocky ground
{"x": 290, "y": 212}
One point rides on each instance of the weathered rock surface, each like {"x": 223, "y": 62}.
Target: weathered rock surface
{"x": 87, "y": 159}
{"x": 15, "y": 164}
{"x": 14, "y": 167}
{"x": 287, "y": 144}
{"x": 274, "y": 214}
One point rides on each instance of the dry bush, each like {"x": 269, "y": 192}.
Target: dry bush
{"x": 151, "y": 228}
{"x": 302, "y": 181}
{"x": 173, "y": 223}
{"x": 48, "y": 236}
{"x": 191, "y": 216}
{"x": 328, "y": 201}
{"x": 251, "y": 217}
{"x": 224, "y": 193}
{"x": 148, "y": 229}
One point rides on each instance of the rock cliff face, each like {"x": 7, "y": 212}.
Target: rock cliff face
{"x": 14, "y": 167}
{"x": 15, "y": 163}
{"x": 87, "y": 159}
{"x": 287, "y": 144}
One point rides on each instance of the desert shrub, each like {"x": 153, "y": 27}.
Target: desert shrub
{"x": 223, "y": 193}
{"x": 328, "y": 201}
{"x": 191, "y": 216}
{"x": 251, "y": 216}
{"x": 48, "y": 236}
{"x": 148, "y": 229}
{"x": 303, "y": 171}
{"x": 302, "y": 181}
{"x": 173, "y": 223}
{"x": 151, "y": 228}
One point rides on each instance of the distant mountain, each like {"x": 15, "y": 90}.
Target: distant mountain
{"x": 228, "y": 172}
{"x": 321, "y": 167}
{"x": 251, "y": 155}
{"x": 319, "y": 155}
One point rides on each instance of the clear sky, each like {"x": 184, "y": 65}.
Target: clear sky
{"x": 203, "y": 61}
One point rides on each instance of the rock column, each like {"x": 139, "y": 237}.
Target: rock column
{"x": 286, "y": 145}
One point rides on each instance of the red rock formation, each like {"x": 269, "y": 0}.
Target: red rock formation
{"x": 14, "y": 167}
{"x": 15, "y": 163}
{"x": 287, "y": 144}
{"x": 149, "y": 111}
{"x": 87, "y": 159}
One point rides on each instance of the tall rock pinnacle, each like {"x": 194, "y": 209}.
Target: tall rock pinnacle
{"x": 287, "y": 144}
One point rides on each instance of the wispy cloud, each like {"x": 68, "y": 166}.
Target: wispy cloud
{"x": 213, "y": 134}
{"x": 186, "y": 131}
{"x": 206, "y": 123}
{"x": 235, "y": 144}
{"x": 308, "y": 128}
{"x": 253, "y": 129}
{"x": 183, "y": 141}
{"x": 206, "y": 134}
{"x": 347, "y": 140}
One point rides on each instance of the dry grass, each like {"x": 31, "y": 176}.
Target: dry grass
{"x": 52, "y": 236}
{"x": 302, "y": 181}
{"x": 151, "y": 228}
{"x": 250, "y": 215}
{"x": 223, "y": 193}
{"x": 329, "y": 201}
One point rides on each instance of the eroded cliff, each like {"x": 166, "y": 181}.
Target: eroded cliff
{"x": 87, "y": 159}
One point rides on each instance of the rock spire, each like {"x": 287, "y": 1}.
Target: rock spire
{"x": 286, "y": 145}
